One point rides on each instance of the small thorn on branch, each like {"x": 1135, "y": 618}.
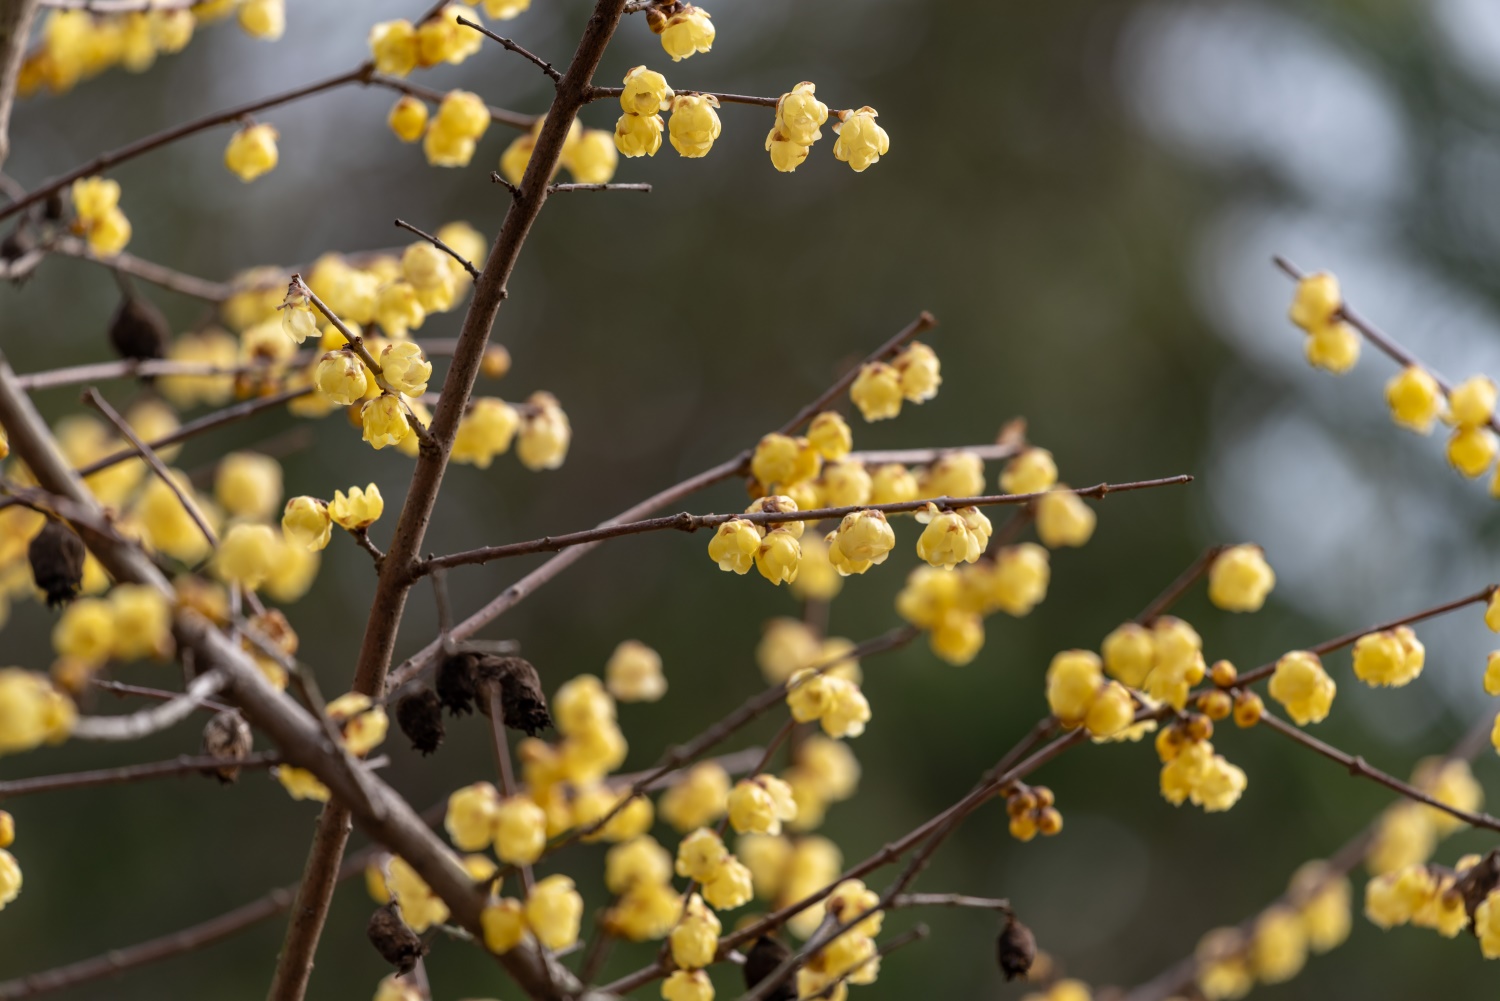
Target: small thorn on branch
{"x": 535, "y": 59}
{"x": 439, "y": 244}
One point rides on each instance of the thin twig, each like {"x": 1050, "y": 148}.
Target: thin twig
{"x": 553, "y": 189}
{"x": 439, "y": 244}
{"x": 1175, "y": 590}
{"x": 525, "y": 53}
{"x": 156, "y": 274}
{"x": 949, "y": 900}
{"x": 92, "y": 398}
{"x": 924, "y": 322}
{"x": 182, "y": 765}
{"x": 121, "y": 688}
{"x": 600, "y": 93}
{"x": 686, "y": 522}
{"x": 154, "y": 720}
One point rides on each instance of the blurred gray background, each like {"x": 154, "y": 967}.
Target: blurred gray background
{"x": 1087, "y": 195}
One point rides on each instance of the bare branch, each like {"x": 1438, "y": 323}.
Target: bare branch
{"x": 182, "y": 765}
{"x": 439, "y": 244}
{"x": 535, "y": 59}
{"x": 15, "y": 28}
{"x": 561, "y": 188}
{"x": 154, "y": 720}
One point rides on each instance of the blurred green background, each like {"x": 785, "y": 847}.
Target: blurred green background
{"x": 1086, "y": 194}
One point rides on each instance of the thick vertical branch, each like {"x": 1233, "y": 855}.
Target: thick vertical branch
{"x": 15, "y": 26}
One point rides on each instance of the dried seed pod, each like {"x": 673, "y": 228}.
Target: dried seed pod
{"x": 522, "y": 701}
{"x": 420, "y": 716}
{"x": 396, "y": 943}
{"x": 456, "y": 683}
{"x": 227, "y": 736}
{"x": 1015, "y": 948}
{"x": 763, "y": 958}
{"x": 139, "y": 330}
{"x": 57, "y": 555}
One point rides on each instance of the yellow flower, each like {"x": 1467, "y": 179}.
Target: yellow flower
{"x": 1018, "y": 581}
{"x": 830, "y": 436}
{"x": 553, "y": 911}
{"x": 1471, "y": 450}
{"x": 593, "y": 158}
{"x": 1278, "y": 945}
{"x": 1316, "y": 301}
{"x": 461, "y": 112}
{"x": 696, "y": 937}
{"x": 263, "y": 18}
{"x": 520, "y": 830}
{"x": 844, "y": 484}
{"x": 1415, "y": 399}
{"x": 731, "y": 886}
{"x": 471, "y": 246}
{"x": 363, "y": 723}
{"x": 7, "y": 829}
{"x": 685, "y": 32}
{"x": 693, "y": 125}
{"x": 485, "y": 431}
{"x": 688, "y": 985}
{"x": 404, "y": 368}
{"x": 778, "y": 556}
{"x": 407, "y": 118}
{"x": 582, "y": 704}
{"x": 593, "y": 803}
{"x": 876, "y": 391}
{"x": 1062, "y": 519}
{"x": 1472, "y": 402}
{"x": 861, "y": 142}
{"x": 342, "y": 377}
{"x": 1492, "y": 674}
{"x": 636, "y": 862}
{"x": 817, "y": 579}
{"x": 10, "y": 882}
{"x": 543, "y": 439}
{"x": 1111, "y": 711}
{"x": 420, "y": 907}
{"x": 633, "y": 673}
{"x": 1391, "y": 658}
{"x": 503, "y": 923}
{"x": 517, "y": 155}
{"x": 1322, "y": 897}
{"x": 384, "y": 420}
{"x": 96, "y": 202}
{"x": 1405, "y": 836}
{"x": 504, "y": 10}
{"x": 638, "y": 135}
{"x": 301, "y": 783}
{"x": 247, "y": 555}
{"x": 957, "y": 637}
{"x": 698, "y": 798}
{"x": 1302, "y": 687}
{"x": 360, "y": 509}
{"x": 848, "y": 710}
{"x": 251, "y": 152}
{"x": 786, "y": 156}
{"x": 142, "y": 621}
{"x": 441, "y": 39}
{"x": 248, "y": 485}
{"x": 1333, "y": 348}
{"x": 393, "y": 47}
{"x": 32, "y": 711}
{"x": 1240, "y": 578}
{"x": 863, "y": 539}
{"x": 893, "y": 483}
{"x": 211, "y": 347}
{"x": 1032, "y": 471}
{"x": 1487, "y": 925}
{"x": 646, "y": 92}
{"x": 700, "y": 855}
{"x": 445, "y": 147}
{"x": 761, "y": 804}
{"x": 86, "y": 630}
{"x": 1393, "y": 898}
{"x": 780, "y": 460}
{"x": 947, "y": 540}
{"x": 799, "y": 115}
{"x": 918, "y": 367}
{"x": 471, "y": 815}
{"x": 1074, "y": 679}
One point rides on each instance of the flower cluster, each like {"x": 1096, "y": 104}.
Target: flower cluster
{"x": 850, "y": 957}
{"x": 362, "y": 726}
{"x": 1407, "y": 833}
{"x": 1164, "y": 660}
{"x": 834, "y": 702}
{"x": 950, "y": 605}
{"x": 588, "y": 154}
{"x": 1317, "y": 307}
{"x": 726, "y": 881}
{"x": 1191, "y": 770}
{"x": 913, "y": 376}
{"x": 97, "y": 215}
{"x": 683, "y": 28}
{"x": 1032, "y": 810}
{"x": 398, "y": 47}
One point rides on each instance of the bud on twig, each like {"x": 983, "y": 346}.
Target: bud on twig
{"x": 456, "y": 683}
{"x": 1015, "y": 948}
{"x": 227, "y": 736}
{"x": 398, "y": 944}
{"x": 420, "y": 717}
{"x": 57, "y": 555}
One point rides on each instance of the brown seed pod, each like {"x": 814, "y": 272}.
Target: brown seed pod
{"x": 764, "y": 957}
{"x": 139, "y": 330}
{"x": 57, "y": 555}
{"x": 227, "y": 736}
{"x": 1015, "y": 948}
{"x": 396, "y": 943}
{"x": 420, "y": 716}
{"x": 456, "y": 683}
{"x": 522, "y": 701}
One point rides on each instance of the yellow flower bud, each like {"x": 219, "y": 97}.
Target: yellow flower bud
{"x": 947, "y": 540}
{"x": 1129, "y": 654}
{"x": 920, "y": 374}
{"x": 786, "y": 156}
{"x": 646, "y": 92}
{"x": 408, "y": 118}
{"x": 1303, "y": 688}
{"x": 955, "y": 474}
{"x": 1415, "y": 399}
{"x": 247, "y": 555}
{"x": 360, "y": 509}
{"x": 441, "y": 39}
{"x": 862, "y": 539}
{"x": 445, "y": 147}
{"x": 1240, "y": 578}
{"x": 861, "y": 142}
{"x": 211, "y": 347}
{"x": 306, "y": 522}
{"x": 1074, "y": 678}
{"x": 264, "y": 19}
{"x": 1472, "y": 401}
{"x": 734, "y": 546}
{"x": 363, "y": 723}
{"x": 404, "y": 368}
{"x": 251, "y": 152}
{"x": 778, "y": 556}
{"x": 1492, "y": 674}
{"x": 688, "y": 31}
{"x": 1062, "y": 519}
{"x": 696, "y": 937}
{"x": 520, "y": 830}
{"x": 553, "y": 911}
{"x": 957, "y": 637}
{"x": 301, "y": 783}
{"x": 730, "y": 886}
{"x": 461, "y": 112}
{"x": 1316, "y": 301}
{"x": 1333, "y": 348}
{"x": 635, "y": 862}
{"x": 698, "y": 798}
{"x": 1032, "y": 471}
{"x": 593, "y": 158}
{"x": 893, "y": 483}
{"x": 1392, "y": 658}
{"x": 543, "y": 439}
{"x": 10, "y": 883}
{"x": 384, "y": 420}
{"x": 633, "y": 673}
{"x": 503, "y": 923}
{"x": 693, "y": 125}
{"x": 799, "y": 114}
{"x": 876, "y": 391}
{"x": 1111, "y": 710}
{"x": 485, "y": 432}
{"x": 142, "y": 621}
{"x": 248, "y": 485}
{"x": 504, "y": 10}
{"x": 688, "y": 985}
{"x": 761, "y": 804}
{"x": 1471, "y": 450}
{"x": 470, "y": 819}
{"x": 342, "y": 377}
{"x": 393, "y": 47}
{"x": 638, "y": 135}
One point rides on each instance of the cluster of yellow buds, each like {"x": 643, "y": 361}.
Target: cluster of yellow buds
{"x": 1471, "y": 409}
{"x": 1314, "y": 916}
{"x": 836, "y": 703}
{"x": 478, "y": 818}
{"x": 362, "y": 725}
{"x": 951, "y": 605}
{"x": 32, "y": 712}
{"x": 1192, "y": 771}
{"x": 695, "y": 939}
{"x": 133, "y": 621}
{"x": 252, "y": 152}
{"x": 565, "y": 779}
{"x": 1302, "y": 687}
{"x": 1317, "y": 307}
{"x": 552, "y": 914}
{"x": 785, "y": 870}
{"x": 1426, "y": 896}
{"x": 451, "y": 137}
{"x": 646, "y": 94}
{"x": 398, "y": 47}
{"x": 1079, "y": 695}
{"x": 75, "y": 45}
{"x": 1239, "y": 579}
{"x": 726, "y": 882}
{"x": 799, "y": 117}
{"x": 647, "y": 906}
{"x": 1408, "y": 832}
{"x": 683, "y": 29}
{"x": 861, "y": 142}
{"x": 1165, "y": 660}
{"x": 912, "y": 376}
{"x": 588, "y": 154}
{"x": 1032, "y": 811}
{"x": 633, "y": 673}
{"x": 761, "y": 804}
{"x": 852, "y": 956}
{"x": 97, "y": 215}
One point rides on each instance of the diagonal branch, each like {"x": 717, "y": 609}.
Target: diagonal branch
{"x": 519, "y": 50}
